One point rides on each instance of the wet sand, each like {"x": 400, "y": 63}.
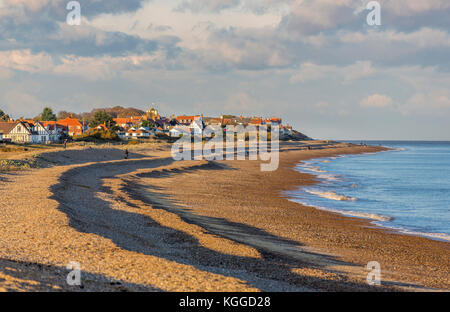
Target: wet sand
{"x": 151, "y": 224}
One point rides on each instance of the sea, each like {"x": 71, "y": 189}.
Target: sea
{"x": 406, "y": 189}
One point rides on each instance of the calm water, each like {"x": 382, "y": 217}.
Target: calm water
{"x": 407, "y": 189}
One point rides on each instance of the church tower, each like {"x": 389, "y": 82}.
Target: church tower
{"x": 152, "y": 114}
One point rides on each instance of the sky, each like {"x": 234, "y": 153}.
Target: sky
{"x": 316, "y": 64}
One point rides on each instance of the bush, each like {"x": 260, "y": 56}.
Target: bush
{"x": 97, "y": 136}
{"x": 12, "y": 165}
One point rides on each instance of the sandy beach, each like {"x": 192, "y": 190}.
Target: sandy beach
{"x": 149, "y": 223}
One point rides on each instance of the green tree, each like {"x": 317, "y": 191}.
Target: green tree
{"x": 102, "y": 117}
{"x": 147, "y": 123}
{"x": 65, "y": 114}
{"x": 47, "y": 115}
{"x": 3, "y": 116}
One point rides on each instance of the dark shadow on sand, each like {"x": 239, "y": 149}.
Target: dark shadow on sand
{"x": 30, "y": 277}
{"x": 139, "y": 233}
{"x": 86, "y": 155}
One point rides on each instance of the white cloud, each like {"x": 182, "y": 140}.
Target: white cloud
{"x": 426, "y": 104}
{"x": 194, "y": 29}
{"x": 413, "y": 7}
{"x": 33, "y": 5}
{"x": 106, "y": 67}
{"x": 90, "y": 68}
{"x": 218, "y": 6}
{"x": 249, "y": 56}
{"x": 308, "y": 17}
{"x": 24, "y": 60}
{"x": 311, "y": 72}
{"x": 376, "y": 100}
{"x": 423, "y": 38}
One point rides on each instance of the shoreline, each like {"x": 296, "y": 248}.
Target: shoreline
{"x": 154, "y": 224}
{"x": 337, "y": 241}
{"x": 374, "y": 218}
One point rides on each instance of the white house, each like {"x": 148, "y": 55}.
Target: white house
{"x": 132, "y": 133}
{"x": 55, "y": 131}
{"x": 40, "y": 134}
{"x": 17, "y": 132}
{"x": 179, "y": 130}
{"x": 151, "y": 131}
{"x": 25, "y": 132}
{"x": 5, "y": 128}
{"x": 31, "y": 131}
{"x": 196, "y": 127}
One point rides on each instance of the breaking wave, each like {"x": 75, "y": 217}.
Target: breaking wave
{"x": 330, "y": 195}
{"x": 355, "y": 176}
{"x": 320, "y": 173}
{"x": 312, "y": 169}
{"x": 329, "y": 177}
{"x": 363, "y": 215}
{"x": 371, "y": 216}
{"x": 436, "y": 236}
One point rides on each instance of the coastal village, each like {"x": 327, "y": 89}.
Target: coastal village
{"x": 41, "y": 130}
